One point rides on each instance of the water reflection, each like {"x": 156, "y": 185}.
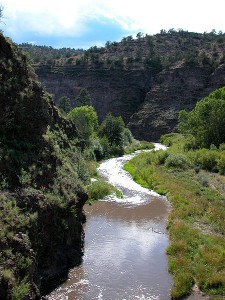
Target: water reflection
{"x": 125, "y": 243}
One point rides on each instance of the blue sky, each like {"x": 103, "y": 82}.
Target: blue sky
{"x": 86, "y": 23}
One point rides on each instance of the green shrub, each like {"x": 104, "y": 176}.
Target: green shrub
{"x": 167, "y": 139}
{"x": 221, "y": 164}
{"x": 99, "y": 189}
{"x": 183, "y": 283}
{"x": 222, "y": 147}
{"x": 161, "y": 156}
{"x": 138, "y": 145}
{"x": 8, "y": 275}
{"x": 97, "y": 149}
{"x": 178, "y": 161}
{"x": 21, "y": 291}
{"x": 127, "y": 137}
{"x": 25, "y": 178}
{"x": 205, "y": 158}
{"x": 203, "y": 179}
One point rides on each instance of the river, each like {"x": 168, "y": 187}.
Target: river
{"x": 125, "y": 241}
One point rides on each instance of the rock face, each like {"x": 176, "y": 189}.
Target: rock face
{"x": 180, "y": 88}
{"x": 120, "y": 92}
{"x": 41, "y": 193}
{"x": 147, "y": 81}
{"x": 148, "y": 103}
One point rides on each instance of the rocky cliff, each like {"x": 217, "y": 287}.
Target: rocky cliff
{"x": 146, "y": 80}
{"x": 173, "y": 90}
{"x": 41, "y": 190}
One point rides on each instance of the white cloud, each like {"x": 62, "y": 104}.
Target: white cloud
{"x": 71, "y": 17}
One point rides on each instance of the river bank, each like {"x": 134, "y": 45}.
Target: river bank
{"x": 196, "y": 222}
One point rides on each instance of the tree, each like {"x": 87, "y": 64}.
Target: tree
{"x": 64, "y": 104}
{"x": 162, "y": 31}
{"x": 83, "y": 98}
{"x": 139, "y": 35}
{"x": 206, "y": 122}
{"x": 86, "y": 120}
{"x": 153, "y": 63}
{"x": 112, "y": 128}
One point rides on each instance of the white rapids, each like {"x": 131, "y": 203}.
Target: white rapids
{"x": 113, "y": 171}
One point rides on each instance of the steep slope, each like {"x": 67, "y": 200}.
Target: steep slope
{"x": 146, "y": 80}
{"x": 178, "y": 88}
{"x": 115, "y": 91}
{"x": 41, "y": 189}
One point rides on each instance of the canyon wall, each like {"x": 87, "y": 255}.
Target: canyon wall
{"x": 41, "y": 193}
{"x": 148, "y": 102}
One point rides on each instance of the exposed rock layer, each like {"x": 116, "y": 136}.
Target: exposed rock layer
{"x": 148, "y": 103}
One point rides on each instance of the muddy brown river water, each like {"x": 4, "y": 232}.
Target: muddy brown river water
{"x": 125, "y": 241}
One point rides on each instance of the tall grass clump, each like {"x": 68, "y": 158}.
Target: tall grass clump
{"x": 99, "y": 189}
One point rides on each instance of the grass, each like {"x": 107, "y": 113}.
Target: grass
{"x": 197, "y": 221}
{"x": 138, "y": 145}
{"x": 99, "y": 189}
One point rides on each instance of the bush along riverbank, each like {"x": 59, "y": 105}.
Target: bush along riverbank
{"x": 196, "y": 224}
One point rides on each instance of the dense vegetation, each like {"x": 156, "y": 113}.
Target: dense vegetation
{"x": 152, "y": 52}
{"x": 48, "y": 55}
{"x": 192, "y": 178}
{"x": 206, "y": 122}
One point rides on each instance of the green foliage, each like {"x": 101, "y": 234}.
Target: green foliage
{"x": 84, "y": 98}
{"x": 11, "y": 217}
{"x": 196, "y": 223}
{"x": 141, "y": 169}
{"x": 64, "y": 104}
{"x": 138, "y": 145}
{"x": 113, "y": 129}
{"x": 21, "y": 291}
{"x": 25, "y": 178}
{"x": 86, "y": 120}
{"x": 191, "y": 58}
{"x": 221, "y": 163}
{"x": 169, "y": 139}
{"x": 183, "y": 283}
{"x": 205, "y": 159}
{"x": 72, "y": 172}
{"x": 178, "y": 161}
{"x": 145, "y": 51}
{"x": 153, "y": 63}
{"x": 99, "y": 189}
{"x": 206, "y": 121}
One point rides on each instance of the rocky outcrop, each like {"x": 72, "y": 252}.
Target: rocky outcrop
{"x": 173, "y": 90}
{"x": 41, "y": 192}
{"x": 148, "y": 102}
{"x": 120, "y": 92}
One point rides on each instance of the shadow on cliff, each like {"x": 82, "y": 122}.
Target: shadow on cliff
{"x": 67, "y": 259}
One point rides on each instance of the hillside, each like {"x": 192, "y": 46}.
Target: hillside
{"x": 41, "y": 189}
{"x": 147, "y": 80}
